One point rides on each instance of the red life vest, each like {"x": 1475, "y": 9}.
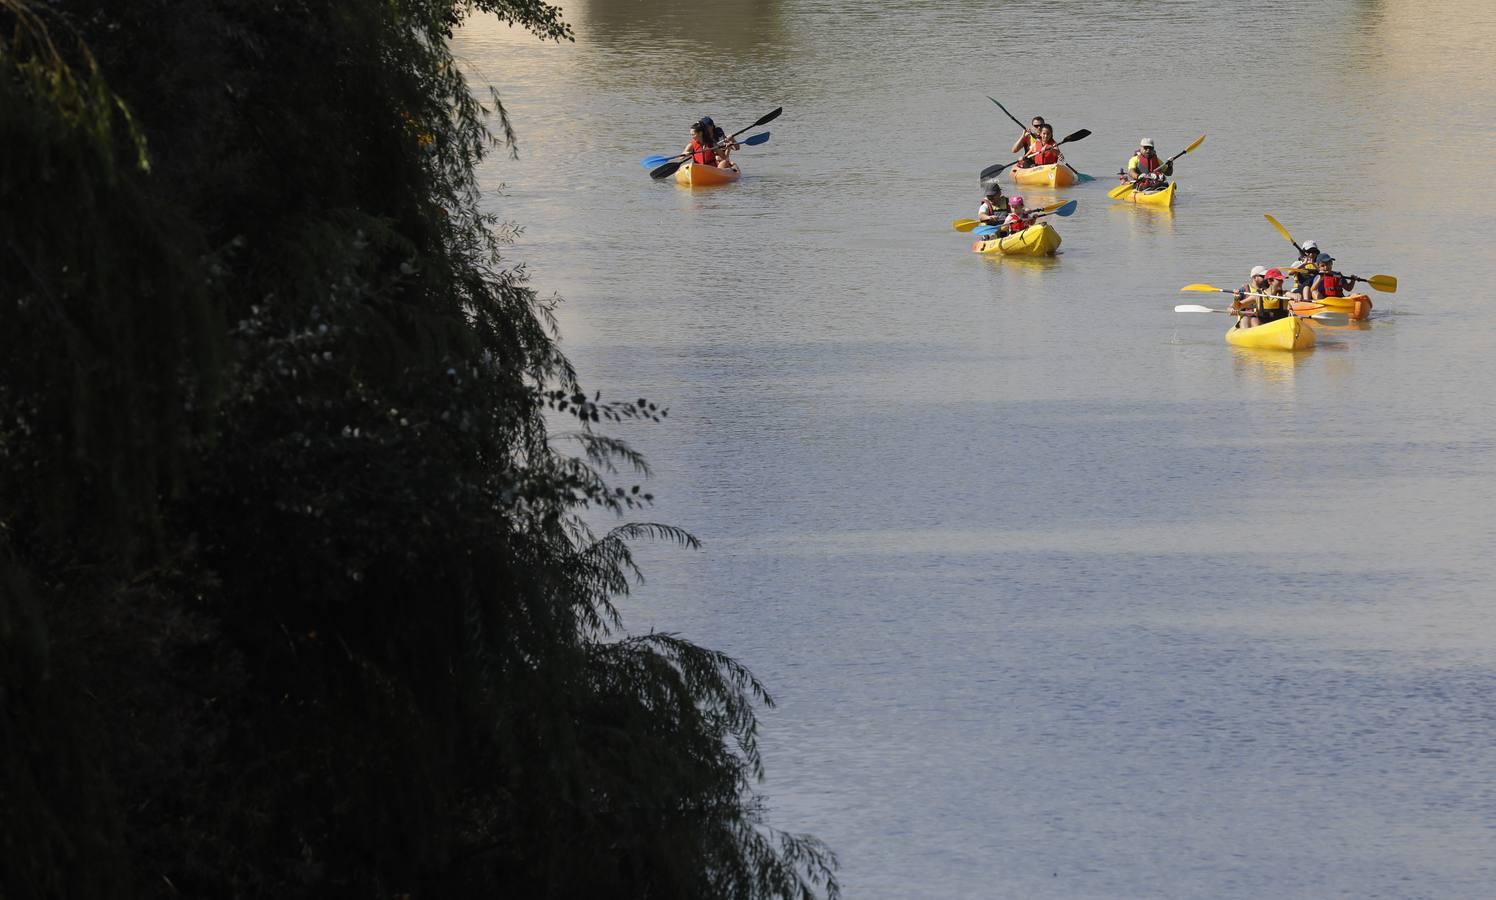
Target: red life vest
{"x": 702, "y": 154}
{"x": 1330, "y": 286}
{"x": 1046, "y": 154}
{"x": 1147, "y": 165}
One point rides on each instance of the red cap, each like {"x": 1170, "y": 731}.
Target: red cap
{"x": 1275, "y": 273}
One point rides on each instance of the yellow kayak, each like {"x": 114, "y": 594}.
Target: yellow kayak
{"x": 1057, "y": 175}
{"x": 1161, "y": 197}
{"x": 1288, "y": 333}
{"x": 693, "y": 175}
{"x": 1036, "y": 240}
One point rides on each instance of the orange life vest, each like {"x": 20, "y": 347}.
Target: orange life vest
{"x": 702, "y": 154}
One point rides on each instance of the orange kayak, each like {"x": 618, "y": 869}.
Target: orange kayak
{"x": 693, "y": 175}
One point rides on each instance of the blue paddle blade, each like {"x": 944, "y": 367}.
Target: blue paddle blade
{"x": 649, "y": 162}
{"x": 985, "y": 230}
{"x": 1082, "y": 177}
{"x": 1067, "y": 209}
{"x": 754, "y": 140}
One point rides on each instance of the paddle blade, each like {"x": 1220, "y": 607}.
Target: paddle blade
{"x": 1283, "y": 231}
{"x": 766, "y": 119}
{"x": 649, "y": 162}
{"x": 1121, "y": 190}
{"x": 1387, "y": 284}
{"x": 993, "y": 171}
{"x": 985, "y": 230}
{"x": 1198, "y": 141}
{"x": 1067, "y": 209}
{"x": 755, "y": 140}
{"x": 1077, "y": 136}
{"x": 965, "y": 225}
{"x": 1050, "y": 208}
{"x": 1210, "y": 288}
{"x": 666, "y": 170}
{"x": 1190, "y": 307}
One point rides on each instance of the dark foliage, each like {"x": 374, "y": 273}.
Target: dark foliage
{"x": 295, "y": 597}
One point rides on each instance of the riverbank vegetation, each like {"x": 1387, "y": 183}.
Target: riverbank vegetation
{"x": 296, "y": 598}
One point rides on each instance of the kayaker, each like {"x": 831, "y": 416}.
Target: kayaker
{"x": 701, "y": 150}
{"x": 1146, "y": 167}
{"x": 1044, "y": 151}
{"x": 1305, "y": 268}
{"x": 719, "y": 139}
{"x": 994, "y": 206}
{"x": 1026, "y": 142}
{"x": 1018, "y": 218}
{"x": 1243, "y": 303}
{"x": 1274, "y": 305}
{"x": 1327, "y": 282}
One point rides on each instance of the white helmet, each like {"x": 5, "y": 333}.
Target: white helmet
{"x": 1310, "y": 245}
{"x": 1146, "y": 142}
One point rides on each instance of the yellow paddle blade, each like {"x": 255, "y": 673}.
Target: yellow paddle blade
{"x": 1121, "y": 190}
{"x": 1385, "y": 283}
{"x": 965, "y": 224}
{"x": 1050, "y": 208}
{"x": 1281, "y": 230}
{"x": 1204, "y": 287}
{"x": 1198, "y": 141}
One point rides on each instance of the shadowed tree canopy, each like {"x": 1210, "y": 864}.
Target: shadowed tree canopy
{"x": 296, "y": 597}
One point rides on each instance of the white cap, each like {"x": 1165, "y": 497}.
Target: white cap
{"x": 1259, "y": 270}
{"x": 1146, "y": 142}
{"x": 1310, "y": 245}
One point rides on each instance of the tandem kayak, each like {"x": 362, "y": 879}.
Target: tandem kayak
{"x": 693, "y": 175}
{"x": 1036, "y": 240}
{"x": 1055, "y": 175}
{"x": 1288, "y": 333}
{"x": 1163, "y": 196}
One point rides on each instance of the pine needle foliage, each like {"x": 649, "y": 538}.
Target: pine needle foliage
{"x": 296, "y": 596}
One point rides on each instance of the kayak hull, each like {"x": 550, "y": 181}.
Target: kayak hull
{"x": 1036, "y": 240}
{"x": 1357, "y": 306}
{"x": 1055, "y": 176}
{"x": 1288, "y": 333}
{"x": 1161, "y": 198}
{"x": 693, "y": 175}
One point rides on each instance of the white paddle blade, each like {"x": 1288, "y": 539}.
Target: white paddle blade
{"x": 1191, "y": 307}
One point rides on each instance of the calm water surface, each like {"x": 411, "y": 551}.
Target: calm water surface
{"x": 1060, "y": 596}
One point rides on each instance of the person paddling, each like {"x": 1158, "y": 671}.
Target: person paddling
{"x": 1018, "y": 218}
{"x": 1274, "y": 305}
{"x": 719, "y": 140}
{"x": 1326, "y": 282}
{"x": 1025, "y": 142}
{"x": 1146, "y": 169}
{"x": 1306, "y": 267}
{"x": 1243, "y": 303}
{"x": 702, "y": 149}
{"x": 1043, "y": 151}
{"x": 994, "y": 206}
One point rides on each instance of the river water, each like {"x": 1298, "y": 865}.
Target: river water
{"x": 1060, "y": 596}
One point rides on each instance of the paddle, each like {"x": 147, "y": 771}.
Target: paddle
{"x": 1210, "y": 288}
{"x": 665, "y": 170}
{"x": 649, "y": 162}
{"x": 965, "y": 225}
{"x": 1387, "y": 284}
{"x": 1064, "y": 209}
{"x": 1300, "y": 311}
{"x": 1078, "y": 174}
{"x": 1284, "y": 231}
{"x": 996, "y": 169}
{"x": 1122, "y": 190}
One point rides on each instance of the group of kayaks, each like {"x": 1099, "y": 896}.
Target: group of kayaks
{"x": 706, "y": 162}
